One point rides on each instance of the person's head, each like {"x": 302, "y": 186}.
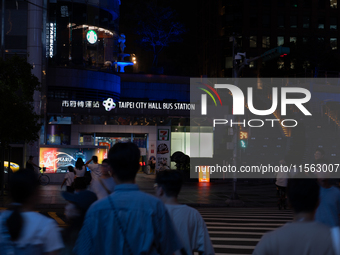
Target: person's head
{"x": 24, "y": 188}
{"x": 303, "y": 194}
{"x": 105, "y": 167}
{"x": 79, "y": 184}
{"x": 95, "y": 159}
{"x": 319, "y": 154}
{"x": 70, "y": 169}
{"x": 30, "y": 157}
{"x": 168, "y": 183}
{"x": 78, "y": 204}
{"x": 79, "y": 163}
{"x": 124, "y": 161}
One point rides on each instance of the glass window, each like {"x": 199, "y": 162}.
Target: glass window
{"x": 265, "y": 20}
{"x": 222, "y": 31}
{"x": 239, "y": 41}
{"x": 223, "y": 10}
{"x": 292, "y": 39}
{"x": 321, "y": 23}
{"x": 253, "y": 41}
{"x": 280, "y": 63}
{"x": 265, "y": 42}
{"x": 280, "y": 40}
{"x": 333, "y": 4}
{"x": 333, "y": 23}
{"x": 280, "y": 21}
{"x": 252, "y": 64}
{"x": 334, "y": 43}
{"x": 321, "y": 40}
{"x": 293, "y": 21}
{"x": 306, "y": 21}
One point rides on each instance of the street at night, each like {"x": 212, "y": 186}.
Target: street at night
{"x": 155, "y": 127}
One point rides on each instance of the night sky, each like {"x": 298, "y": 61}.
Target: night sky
{"x": 177, "y": 59}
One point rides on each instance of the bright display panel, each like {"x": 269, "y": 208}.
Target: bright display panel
{"x": 57, "y": 160}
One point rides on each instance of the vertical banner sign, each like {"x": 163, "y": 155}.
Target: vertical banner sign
{"x": 163, "y": 146}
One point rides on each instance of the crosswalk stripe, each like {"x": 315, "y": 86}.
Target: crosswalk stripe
{"x": 243, "y": 224}
{"x": 238, "y": 230}
{"x": 236, "y": 233}
{"x": 60, "y": 222}
{"x": 235, "y": 219}
{"x": 243, "y": 247}
{"x": 246, "y": 228}
{"x": 234, "y": 239}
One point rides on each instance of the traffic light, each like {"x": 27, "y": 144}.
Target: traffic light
{"x": 274, "y": 53}
{"x": 243, "y": 136}
{"x": 243, "y": 144}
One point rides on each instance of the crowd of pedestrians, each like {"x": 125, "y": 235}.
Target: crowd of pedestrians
{"x": 110, "y": 215}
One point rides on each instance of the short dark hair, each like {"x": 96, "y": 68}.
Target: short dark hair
{"x": 30, "y": 157}
{"x": 106, "y": 161}
{"x": 170, "y": 181}
{"x": 95, "y": 159}
{"x": 79, "y": 164}
{"x": 303, "y": 193}
{"x": 23, "y": 184}
{"x": 124, "y": 161}
{"x": 320, "y": 150}
{"x": 70, "y": 169}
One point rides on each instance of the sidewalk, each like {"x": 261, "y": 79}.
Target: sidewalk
{"x": 195, "y": 194}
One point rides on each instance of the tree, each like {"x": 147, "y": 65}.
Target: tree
{"x": 158, "y": 28}
{"x": 19, "y": 122}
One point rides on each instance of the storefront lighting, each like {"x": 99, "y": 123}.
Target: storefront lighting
{"x": 100, "y": 29}
{"x": 134, "y": 62}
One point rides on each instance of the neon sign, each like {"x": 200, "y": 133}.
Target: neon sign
{"x": 91, "y": 36}
{"x": 50, "y": 39}
{"x": 109, "y": 104}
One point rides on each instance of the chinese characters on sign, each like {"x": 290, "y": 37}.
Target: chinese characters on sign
{"x": 80, "y": 104}
{"x": 110, "y": 104}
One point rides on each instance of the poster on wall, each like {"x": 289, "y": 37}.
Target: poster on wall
{"x": 163, "y": 147}
{"x": 57, "y": 160}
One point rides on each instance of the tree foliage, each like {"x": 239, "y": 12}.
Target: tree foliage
{"x": 18, "y": 122}
{"x": 158, "y": 28}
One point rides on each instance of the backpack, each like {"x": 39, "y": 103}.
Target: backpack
{"x": 88, "y": 177}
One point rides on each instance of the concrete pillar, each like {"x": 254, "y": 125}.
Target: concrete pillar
{"x": 34, "y": 57}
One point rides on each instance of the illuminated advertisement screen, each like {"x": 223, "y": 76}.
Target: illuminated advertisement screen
{"x": 57, "y": 160}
